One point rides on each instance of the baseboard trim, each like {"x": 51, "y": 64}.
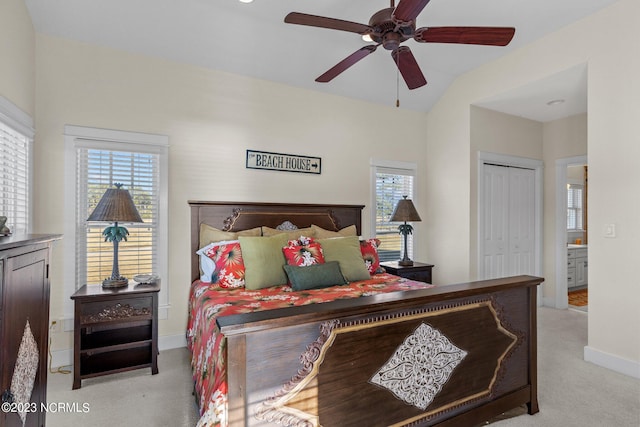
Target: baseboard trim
{"x": 168, "y": 342}
{"x": 64, "y": 357}
{"x": 548, "y": 302}
{"x": 614, "y": 363}
{"x": 61, "y": 358}
{"x": 553, "y": 303}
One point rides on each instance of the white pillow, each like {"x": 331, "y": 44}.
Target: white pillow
{"x": 208, "y": 265}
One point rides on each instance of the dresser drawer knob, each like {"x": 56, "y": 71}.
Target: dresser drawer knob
{"x": 7, "y": 396}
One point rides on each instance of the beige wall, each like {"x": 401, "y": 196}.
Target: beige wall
{"x": 17, "y": 50}
{"x": 495, "y": 132}
{"x": 613, "y": 111}
{"x": 563, "y": 139}
{"x": 211, "y": 118}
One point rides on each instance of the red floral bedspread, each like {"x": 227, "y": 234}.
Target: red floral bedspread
{"x": 207, "y": 344}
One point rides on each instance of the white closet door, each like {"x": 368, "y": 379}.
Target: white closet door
{"x": 521, "y": 221}
{"x": 496, "y": 214}
{"x": 508, "y": 231}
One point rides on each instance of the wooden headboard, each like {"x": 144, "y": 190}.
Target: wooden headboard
{"x": 236, "y": 216}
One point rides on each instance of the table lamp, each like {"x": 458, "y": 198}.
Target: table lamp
{"x": 116, "y": 205}
{"x": 405, "y": 211}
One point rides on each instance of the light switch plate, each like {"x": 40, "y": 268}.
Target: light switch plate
{"x": 610, "y": 230}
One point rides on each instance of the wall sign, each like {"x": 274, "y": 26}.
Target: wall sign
{"x": 283, "y": 162}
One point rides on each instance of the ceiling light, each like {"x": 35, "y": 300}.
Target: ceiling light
{"x": 555, "y": 102}
{"x": 245, "y": 1}
{"x": 367, "y": 38}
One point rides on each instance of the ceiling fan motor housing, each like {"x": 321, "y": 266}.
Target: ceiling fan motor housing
{"x": 387, "y": 32}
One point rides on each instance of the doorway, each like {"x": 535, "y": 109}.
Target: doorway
{"x": 562, "y": 236}
{"x": 509, "y": 216}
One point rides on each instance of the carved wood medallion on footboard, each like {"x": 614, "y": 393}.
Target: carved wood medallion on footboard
{"x": 452, "y": 355}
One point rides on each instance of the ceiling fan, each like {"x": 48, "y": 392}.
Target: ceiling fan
{"x": 390, "y": 27}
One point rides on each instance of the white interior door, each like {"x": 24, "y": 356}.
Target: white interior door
{"x": 509, "y": 220}
{"x": 521, "y": 221}
{"x": 495, "y": 231}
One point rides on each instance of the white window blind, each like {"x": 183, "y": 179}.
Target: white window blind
{"x": 138, "y": 171}
{"x": 574, "y": 207}
{"x": 390, "y": 186}
{"x": 15, "y": 178}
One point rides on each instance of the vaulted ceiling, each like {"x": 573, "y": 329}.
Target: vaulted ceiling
{"x": 252, "y": 39}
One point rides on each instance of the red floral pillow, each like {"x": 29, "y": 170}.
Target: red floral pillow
{"x": 303, "y": 252}
{"x": 229, "y": 272}
{"x": 369, "y": 249}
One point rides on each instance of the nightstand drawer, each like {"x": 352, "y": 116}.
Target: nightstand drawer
{"x": 118, "y": 309}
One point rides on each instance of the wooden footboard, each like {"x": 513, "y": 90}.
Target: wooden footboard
{"x": 453, "y": 355}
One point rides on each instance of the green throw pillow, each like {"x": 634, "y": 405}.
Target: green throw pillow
{"x": 315, "y": 276}
{"x": 263, "y": 261}
{"x": 345, "y": 250}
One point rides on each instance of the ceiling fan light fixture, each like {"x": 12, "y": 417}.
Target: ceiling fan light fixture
{"x": 367, "y": 37}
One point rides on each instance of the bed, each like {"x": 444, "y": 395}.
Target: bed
{"x": 385, "y": 351}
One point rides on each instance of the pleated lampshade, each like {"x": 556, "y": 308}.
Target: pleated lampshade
{"x": 116, "y": 205}
{"x": 405, "y": 211}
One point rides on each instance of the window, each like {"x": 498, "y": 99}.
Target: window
{"x": 16, "y": 139}
{"x": 574, "y": 207}
{"x": 98, "y": 170}
{"x": 139, "y": 162}
{"x": 391, "y": 181}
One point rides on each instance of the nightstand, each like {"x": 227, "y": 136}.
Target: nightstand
{"x": 418, "y": 271}
{"x": 115, "y": 330}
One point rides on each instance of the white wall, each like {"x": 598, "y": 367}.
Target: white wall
{"x": 17, "y": 50}
{"x": 211, "y": 119}
{"x": 606, "y": 42}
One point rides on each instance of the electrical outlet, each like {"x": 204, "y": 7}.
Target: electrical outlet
{"x": 54, "y": 326}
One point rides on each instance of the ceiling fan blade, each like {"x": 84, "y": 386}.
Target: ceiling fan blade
{"x": 330, "y": 23}
{"x": 408, "y": 10}
{"x": 490, "y": 36}
{"x": 408, "y": 67}
{"x": 346, "y": 63}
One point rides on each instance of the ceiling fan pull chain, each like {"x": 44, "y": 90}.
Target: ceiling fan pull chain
{"x": 397, "y": 81}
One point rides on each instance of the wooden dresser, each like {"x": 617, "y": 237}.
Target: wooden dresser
{"x": 24, "y": 327}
